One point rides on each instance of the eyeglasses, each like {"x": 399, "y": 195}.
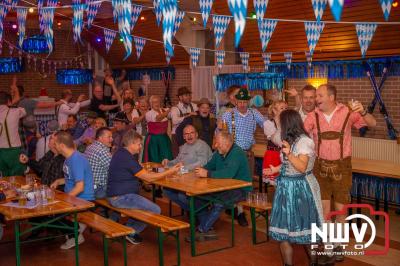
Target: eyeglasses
{"x": 189, "y": 133}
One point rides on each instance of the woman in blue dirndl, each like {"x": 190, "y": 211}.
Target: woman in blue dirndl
{"x": 297, "y": 199}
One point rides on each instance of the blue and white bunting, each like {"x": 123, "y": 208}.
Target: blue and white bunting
{"x": 205, "y": 8}
{"x": 77, "y": 21}
{"x": 169, "y": 9}
{"x": 139, "y": 45}
{"x": 319, "y": 8}
{"x": 244, "y": 57}
{"x": 288, "y": 58}
{"x": 260, "y": 6}
{"x": 309, "y": 58}
{"x": 53, "y": 3}
{"x": 386, "y": 7}
{"x": 123, "y": 10}
{"x": 40, "y": 13}
{"x": 194, "y": 56}
{"x": 22, "y": 12}
{"x": 267, "y": 60}
{"x": 220, "y": 23}
{"x": 178, "y": 20}
{"x": 220, "y": 55}
{"x": 3, "y": 14}
{"x": 313, "y": 32}
{"x": 336, "y": 8}
{"x": 48, "y": 19}
{"x": 365, "y": 32}
{"x": 157, "y": 4}
{"x": 168, "y": 55}
{"x": 91, "y": 12}
{"x": 266, "y": 27}
{"x": 136, "y": 10}
{"x": 109, "y": 36}
{"x": 238, "y": 10}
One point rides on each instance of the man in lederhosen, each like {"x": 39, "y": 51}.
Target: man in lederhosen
{"x": 330, "y": 127}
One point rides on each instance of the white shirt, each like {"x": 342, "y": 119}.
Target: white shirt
{"x": 13, "y": 117}
{"x": 151, "y": 116}
{"x": 329, "y": 117}
{"x": 176, "y": 112}
{"x": 302, "y": 113}
{"x": 135, "y": 114}
{"x": 67, "y": 109}
{"x": 272, "y": 132}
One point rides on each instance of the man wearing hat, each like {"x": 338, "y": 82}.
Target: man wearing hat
{"x": 120, "y": 123}
{"x": 203, "y": 122}
{"x": 179, "y": 112}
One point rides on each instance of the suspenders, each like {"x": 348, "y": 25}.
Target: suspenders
{"x": 5, "y": 127}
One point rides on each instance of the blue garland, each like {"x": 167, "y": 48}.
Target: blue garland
{"x": 36, "y": 44}
{"x": 74, "y": 76}
{"x": 10, "y": 65}
{"x": 253, "y": 81}
{"x": 137, "y": 73}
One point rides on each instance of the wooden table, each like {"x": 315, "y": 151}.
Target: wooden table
{"x": 195, "y": 187}
{"x": 64, "y": 206}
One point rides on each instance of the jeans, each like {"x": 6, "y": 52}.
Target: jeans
{"x": 207, "y": 217}
{"x": 178, "y": 197}
{"x": 134, "y": 201}
{"x": 100, "y": 192}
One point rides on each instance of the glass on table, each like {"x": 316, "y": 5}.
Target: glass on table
{"x": 30, "y": 180}
{"x": 50, "y": 195}
{"x": 22, "y": 198}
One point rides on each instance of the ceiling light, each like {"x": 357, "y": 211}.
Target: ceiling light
{"x": 31, "y": 10}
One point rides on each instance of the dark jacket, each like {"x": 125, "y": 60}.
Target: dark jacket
{"x": 205, "y": 126}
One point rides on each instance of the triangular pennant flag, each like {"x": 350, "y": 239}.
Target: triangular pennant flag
{"x": 48, "y": 18}
{"x": 77, "y": 21}
{"x": 169, "y": 9}
{"x": 194, "y": 55}
{"x": 267, "y": 60}
{"x": 319, "y": 8}
{"x": 124, "y": 14}
{"x": 386, "y": 7}
{"x": 136, "y": 10}
{"x": 21, "y": 18}
{"x": 10, "y": 4}
{"x": 3, "y": 14}
{"x": 260, "y": 6}
{"x": 205, "y": 8}
{"x": 168, "y": 55}
{"x": 178, "y": 20}
{"x": 139, "y": 44}
{"x": 53, "y": 3}
{"x": 220, "y": 23}
{"x": 114, "y": 9}
{"x": 109, "y": 36}
{"x": 336, "y": 8}
{"x": 238, "y": 10}
{"x": 92, "y": 8}
{"x": 244, "y": 57}
{"x": 40, "y": 12}
{"x": 220, "y": 55}
{"x": 266, "y": 27}
{"x": 157, "y": 4}
{"x": 288, "y": 59}
{"x": 313, "y": 32}
{"x": 309, "y": 58}
{"x": 365, "y": 32}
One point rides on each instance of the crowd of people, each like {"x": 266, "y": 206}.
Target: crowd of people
{"x": 307, "y": 158}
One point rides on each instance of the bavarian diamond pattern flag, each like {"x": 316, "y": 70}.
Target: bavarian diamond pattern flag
{"x": 109, "y": 36}
{"x": 157, "y": 4}
{"x": 178, "y": 20}
{"x": 220, "y": 23}
{"x": 244, "y": 57}
{"x": 22, "y": 12}
{"x": 313, "y": 32}
{"x": 168, "y": 55}
{"x": 40, "y": 13}
{"x": 260, "y": 6}
{"x": 336, "y": 8}
{"x": 3, "y": 13}
{"x": 365, "y": 32}
{"x": 124, "y": 15}
{"x": 238, "y": 10}
{"x": 267, "y": 60}
{"x": 309, "y": 58}
{"x": 139, "y": 44}
{"x": 77, "y": 21}
{"x": 136, "y": 10}
{"x": 220, "y": 55}
{"x": 205, "y": 8}
{"x": 319, "y": 8}
{"x": 169, "y": 9}
{"x": 386, "y": 6}
{"x": 48, "y": 18}
{"x": 91, "y": 12}
{"x": 194, "y": 55}
{"x": 288, "y": 59}
{"x": 266, "y": 27}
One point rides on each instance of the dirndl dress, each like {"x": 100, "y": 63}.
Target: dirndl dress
{"x": 297, "y": 199}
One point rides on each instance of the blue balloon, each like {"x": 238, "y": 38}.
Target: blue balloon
{"x": 257, "y": 101}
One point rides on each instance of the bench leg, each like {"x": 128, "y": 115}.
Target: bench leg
{"x": 178, "y": 248}
{"x": 170, "y": 208}
{"x": 105, "y": 250}
{"x": 17, "y": 243}
{"x": 267, "y": 225}
{"x": 160, "y": 237}
{"x": 125, "y": 255}
{"x": 253, "y": 225}
{"x": 76, "y": 233}
{"x": 233, "y": 226}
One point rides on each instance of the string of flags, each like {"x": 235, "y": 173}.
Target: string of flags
{"x": 194, "y": 55}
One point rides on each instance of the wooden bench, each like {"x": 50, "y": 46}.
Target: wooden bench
{"x": 165, "y": 225}
{"x": 109, "y": 228}
{"x": 261, "y": 210}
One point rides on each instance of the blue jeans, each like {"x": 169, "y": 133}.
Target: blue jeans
{"x": 178, "y": 197}
{"x": 207, "y": 217}
{"x": 134, "y": 201}
{"x": 100, "y": 192}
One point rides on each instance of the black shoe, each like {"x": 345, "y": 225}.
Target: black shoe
{"x": 134, "y": 239}
{"x": 235, "y": 212}
{"x": 146, "y": 188}
{"x": 242, "y": 220}
{"x": 201, "y": 237}
{"x": 158, "y": 193}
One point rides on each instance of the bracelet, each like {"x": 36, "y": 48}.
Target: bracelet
{"x": 364, "y": 113}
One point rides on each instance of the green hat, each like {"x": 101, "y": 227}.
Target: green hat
{"x": 243, "y": 95}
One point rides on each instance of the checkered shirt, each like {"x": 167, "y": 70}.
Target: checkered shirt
{"x": 99, "y": 157}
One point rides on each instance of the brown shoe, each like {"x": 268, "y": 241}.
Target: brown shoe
{"x": 339, "y": 257}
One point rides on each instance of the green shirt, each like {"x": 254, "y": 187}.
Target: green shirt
{"x": 233, "y": 165}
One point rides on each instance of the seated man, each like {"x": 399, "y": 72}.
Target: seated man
{"x": 123, "y": 181}
{"x": 194, "y": 153}
{"x": 78, "y": 178}
{"x": 74, "y": 128}
{"x": 229, "y": 161}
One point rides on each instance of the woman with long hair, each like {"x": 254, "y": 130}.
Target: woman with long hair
{"x": 297, "y": 199}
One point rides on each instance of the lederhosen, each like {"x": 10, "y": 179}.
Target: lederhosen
{"x": 175, "y": 142}
{"x": 334, "y": 176}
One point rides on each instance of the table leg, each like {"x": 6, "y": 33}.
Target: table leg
{"x": 76, "y": 235}
{"x": 17, "y": 244}
{"x": 153, "y": 192}
{"x": 192, "y": 226}
{"x": 260, "y": 183}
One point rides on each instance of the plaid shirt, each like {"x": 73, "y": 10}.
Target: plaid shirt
{"x": 49, "y": 167}
{"x": 99, "y": 157}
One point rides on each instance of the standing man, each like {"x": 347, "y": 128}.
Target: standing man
{"x": 67, "y": 108}
{"x": 183, "y": 109}
{"x": 330, "y": 127}
{"x": 305, "y": 103}
{"x": 98, "y": 103}
{"x": 10, "y": 141}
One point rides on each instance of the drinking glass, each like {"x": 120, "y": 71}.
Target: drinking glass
{"x": 43, "y": 192}
{"x": 50, "y": 195}
{"x": 13, "y": 181}
{"x": 30, "y": 180}
{"x": 22, "y": 198}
